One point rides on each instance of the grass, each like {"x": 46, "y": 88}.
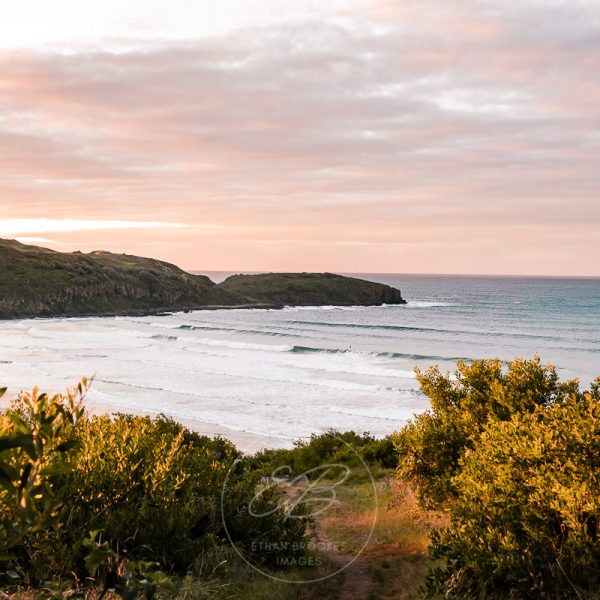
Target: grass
{"x": 396, "y": 553}
{"x": 223, "y": 575}
{"x": 232, "y": 580}
{"x": 395, "y": 556}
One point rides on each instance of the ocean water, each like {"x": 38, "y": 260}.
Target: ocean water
{"x": 280, "y": 375}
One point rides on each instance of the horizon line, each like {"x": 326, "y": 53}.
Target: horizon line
{"x": 398, "y": 274}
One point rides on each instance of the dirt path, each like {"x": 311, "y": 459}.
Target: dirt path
{"x": 357, "y": 582}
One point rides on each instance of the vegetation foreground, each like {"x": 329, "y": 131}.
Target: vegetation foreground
{"x": 492, "y": 493}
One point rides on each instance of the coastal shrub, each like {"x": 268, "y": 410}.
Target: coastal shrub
{"x": 38, "y": 448}
{"x": 525, "y": 520}
{"x": 149, "y": 488}
{"x": 157, "y": 494}
{"x": 270, "y": 531}
{"x": 431, "y": 446}
{"x": 332, "y": 447}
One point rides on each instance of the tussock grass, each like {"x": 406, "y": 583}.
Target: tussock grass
{"x": 396, "y": 552}
{"x": 400, "y": 523}
{"x": 222, "y": 575}
{"x": 217, "y": 575}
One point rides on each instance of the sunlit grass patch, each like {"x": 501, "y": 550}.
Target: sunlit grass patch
{"x": 396, "y": 551}
{"x": 400, "y": 524}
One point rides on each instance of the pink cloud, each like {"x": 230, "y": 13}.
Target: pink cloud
{"x": 430, "y": 122}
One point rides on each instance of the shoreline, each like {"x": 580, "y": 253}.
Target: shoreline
{"x": 162, "y": 312}
{"x": 246, "y": 442}
{"x": 146, "y": 312}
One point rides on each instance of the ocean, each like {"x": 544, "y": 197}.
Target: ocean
{"x": 280, "y": 375}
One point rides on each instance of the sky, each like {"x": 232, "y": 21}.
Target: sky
{"x": 391, "y": 136}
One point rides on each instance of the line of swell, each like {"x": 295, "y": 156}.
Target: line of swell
{"x": 235, "y": 330}
{"x": 307, "y": 349}
{"x": 433, "y": 329}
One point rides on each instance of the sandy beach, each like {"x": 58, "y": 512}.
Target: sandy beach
{"x": 245, "y": 441}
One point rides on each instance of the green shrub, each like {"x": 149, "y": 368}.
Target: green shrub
{"x": 431, "y": 446}
{"x": 38, "y": 449}
{"x": 332, "y": 447}
{"x": 150, "y": 488}
{"x": 525, "y": 520}
{"x": 269, "y": 533}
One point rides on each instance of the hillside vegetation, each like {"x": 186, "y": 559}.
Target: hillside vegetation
{"x": 38, "y": 282}
{"x": 306, "y": 289}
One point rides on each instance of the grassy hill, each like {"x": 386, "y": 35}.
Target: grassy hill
{"x": 38, "y": 282}
{"x": 306, "y": 289}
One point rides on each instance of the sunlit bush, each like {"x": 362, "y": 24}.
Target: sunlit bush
{"x": 512, "y": 454}
{"x": 432, "y": 444}
{"x": 128, "y": 490}
{"x": 39, "y": 444}
{"x": 525, "y": 520}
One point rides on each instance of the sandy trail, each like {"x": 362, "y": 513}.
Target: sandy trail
{"x": 357, "y": 582}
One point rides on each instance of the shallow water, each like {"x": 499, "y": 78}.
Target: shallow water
{"x": 286, "y": 374}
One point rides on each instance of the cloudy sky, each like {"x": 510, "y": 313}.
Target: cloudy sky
{"x": 440, "y": 136}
